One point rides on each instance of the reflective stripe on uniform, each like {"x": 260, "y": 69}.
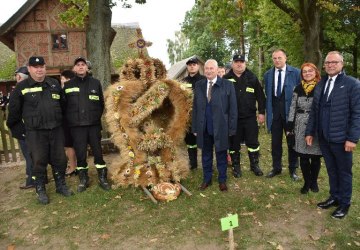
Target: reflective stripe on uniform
{"x": 232, "y": 80}
{"x": 31, "y": 90}
{"x": 94, "y": 97}
{"x": 70, "y": 90}
{"x": 56, "y": 96}
{"x": 253, "y": 149}
{"x": 191, "y": 146}
{"x": 231, "y": 152}
{"x": 82, "y": 168}
{"x": 251, "y": 90}
{"x": 188, "y": 85}
{"x": 100, "y": 166}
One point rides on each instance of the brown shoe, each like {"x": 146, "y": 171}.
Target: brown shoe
{"x": 223, "y": 187}
{"x": 204, "y": 185}
{"x": 27, "y": 186}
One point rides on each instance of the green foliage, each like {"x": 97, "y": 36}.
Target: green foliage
{"x": 8, "y": 67}
{"x": 76, "y": 13}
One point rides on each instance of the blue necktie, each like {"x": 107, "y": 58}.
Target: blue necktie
{"x": 278, "y": 90}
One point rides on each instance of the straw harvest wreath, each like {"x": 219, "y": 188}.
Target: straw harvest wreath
{"x": 147, "y": 116}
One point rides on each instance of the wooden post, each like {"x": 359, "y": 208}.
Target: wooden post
{"x": 185, "y": 190}
{"x": 231, "y": 239}
{"x": 150, "y": 195}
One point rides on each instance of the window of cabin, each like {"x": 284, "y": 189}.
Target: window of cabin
{"x": 59, "y": 41}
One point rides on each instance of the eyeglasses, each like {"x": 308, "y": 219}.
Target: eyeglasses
{"x": 331, "y": 62}
{"x": 308, "y": 71}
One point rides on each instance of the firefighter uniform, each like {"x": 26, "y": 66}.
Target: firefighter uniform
{"x": 190, "y": 138}
{"x": 83, "y": 110}
{"x": 248, "y": 92}
{"x": 39, "y": 106}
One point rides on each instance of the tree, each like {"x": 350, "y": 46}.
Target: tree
{"x": 98, "y": 27}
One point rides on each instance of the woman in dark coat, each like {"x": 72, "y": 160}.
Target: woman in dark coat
{"x": 298, "y": 116}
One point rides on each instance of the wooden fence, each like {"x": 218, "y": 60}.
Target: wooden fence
{"x": 9, "y": 150}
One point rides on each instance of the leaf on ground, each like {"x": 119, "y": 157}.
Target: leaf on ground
{"x": 75, "y": 227}
{"x": 247, "y": 214}
{"x": 105, "y": 236}
{"x": 268, "y": 205}
{"x": 272, "y": 196}
{"x": 349, "y": 243}
{"x": 11, "y": 247}
{"x": 118, "y": 197}
{"x": 259, "y": 223}
{"x": 314, "y": 237}
{"x": 272, "y": 243}
{"x": 357, "y": 243}
{"x": 357, "y": 233}
{"x": 279, "y": 247}
{"x": 202, "y": 195}
{"x": 214, "y": 193}
{"x": 55, "y": 212}
{"x": 45, "y": 227}
{"x": 153, "y": 240}
{"x": 332, "y": 246}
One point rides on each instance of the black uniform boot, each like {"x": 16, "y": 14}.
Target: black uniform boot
{"x": 103, "y": 182}
{"x": 235, "y": 159}
{"x": 254, "y": 163}
{"x": 41, "y": 190}
{"x": 84, "y": 180}
{"x": 60, "y": 184}
{"x": 314, "y": 174}
{"x": 192, "y": 157}
{"x": 305, "y": 169}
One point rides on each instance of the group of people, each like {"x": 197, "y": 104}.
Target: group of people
{"x": 319, "y": 116}
{"x": 40, "y": 109}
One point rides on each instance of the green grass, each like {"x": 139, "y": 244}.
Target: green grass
{"x": 272, "y": 212}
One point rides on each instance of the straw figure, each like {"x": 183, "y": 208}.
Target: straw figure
{"x": 147, "y": 116}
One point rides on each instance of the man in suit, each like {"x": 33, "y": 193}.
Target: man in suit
{"x": 280, "y": 82}
{"x": 335, "y": 118}
{"x": 214, "y": 119}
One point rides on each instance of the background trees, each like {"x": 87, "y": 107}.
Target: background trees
{"x": 306, "y": 29}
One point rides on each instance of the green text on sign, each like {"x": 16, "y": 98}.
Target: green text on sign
{"x": 229, "y": 222}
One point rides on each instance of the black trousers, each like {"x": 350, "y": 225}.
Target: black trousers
{"x": 46, "y": 147}
{"x": 277, "y": 130}
{"x": 248, "y": 131}
{"x": 82, "y": 136}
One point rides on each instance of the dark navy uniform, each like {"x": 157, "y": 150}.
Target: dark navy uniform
{"x": 39, "y": 106}
{"x": 84, "y": 108}
{"x": 190, "y": 138}
{"x": 250, "y": 98}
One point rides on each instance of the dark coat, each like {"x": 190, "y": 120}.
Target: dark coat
{"x": 344, "y": 111}
{"x": 224, "y": 112}
{"x": 292, "y": 79}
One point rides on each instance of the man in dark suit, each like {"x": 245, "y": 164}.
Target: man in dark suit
{"x": 335, "y": 118}
{"x": 214, "y": 119}
{"x": 280, "y": 82}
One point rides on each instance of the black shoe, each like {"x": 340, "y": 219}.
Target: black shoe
{"x": 273, "y": 173}
{"x": 294, "y": 176}
{"x": 328, "y": 203}
{"x": 27, "y": 186}
{"x": 237, "y": 173}
{"x": 314, "y": 188}
{"x": 340, "y": 212}
{"x": 304, "y": 190}
{"x": 257, "y": 171}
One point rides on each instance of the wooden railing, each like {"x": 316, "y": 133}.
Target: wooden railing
{"x": 9, "y": 147}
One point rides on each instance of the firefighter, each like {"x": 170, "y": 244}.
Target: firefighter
{"x": 83, "y": 110}
{"x": 37, "y": 101}
{"x": 194, "y": 75}
{"x": 248, "y": 93}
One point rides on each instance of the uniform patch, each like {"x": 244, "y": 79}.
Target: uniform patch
{"x": 250, "y": 90}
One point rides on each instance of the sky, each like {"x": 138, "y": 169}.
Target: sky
{"x": 158, "y": 19}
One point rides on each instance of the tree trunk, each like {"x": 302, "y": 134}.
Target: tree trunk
{"x": 355, "y": 58}
{"x": 310, "y": 16}
{"x": 98, "y": 40}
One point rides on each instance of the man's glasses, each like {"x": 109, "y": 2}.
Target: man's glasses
{"x": 331, "y": 62}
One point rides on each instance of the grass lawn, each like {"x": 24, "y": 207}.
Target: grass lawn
{"x": 272, "y": 214}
